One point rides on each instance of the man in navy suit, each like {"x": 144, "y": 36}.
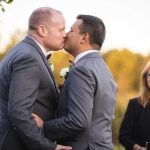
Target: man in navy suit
{"x": 27, "y": 84}
{"x": 87, "y": 100}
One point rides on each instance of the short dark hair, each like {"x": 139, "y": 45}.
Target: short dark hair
{"x": 95, "y": 27}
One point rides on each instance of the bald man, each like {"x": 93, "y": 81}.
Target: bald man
{"x": 27, "y": 84}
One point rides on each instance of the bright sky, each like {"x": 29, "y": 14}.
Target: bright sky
{"x": 127, "y": 21}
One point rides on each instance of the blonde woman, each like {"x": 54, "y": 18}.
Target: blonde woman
{"x": 135, "y": 127}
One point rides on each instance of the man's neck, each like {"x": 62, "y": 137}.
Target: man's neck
{"x": 39, "y": 44}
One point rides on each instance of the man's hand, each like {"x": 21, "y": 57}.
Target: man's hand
{"x": 38, "y": 120}
{"x": 60, "y": 147}
{"x": 39, "y": 123}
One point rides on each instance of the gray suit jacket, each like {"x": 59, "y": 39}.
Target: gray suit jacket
{"x": 26, "y": 85}
{"x": 86, "y": 106}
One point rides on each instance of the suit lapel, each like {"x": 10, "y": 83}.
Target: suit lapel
{"x": 34, "y": 44}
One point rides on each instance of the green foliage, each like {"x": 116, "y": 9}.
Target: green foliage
{"x": 125, "y": 67}
{"x": 5, "y": 1}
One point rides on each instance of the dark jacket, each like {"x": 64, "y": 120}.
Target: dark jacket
{"x": 26, "y": 86}
{"x": 135, "y": 127}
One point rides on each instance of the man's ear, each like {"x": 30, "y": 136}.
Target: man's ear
{"x": 42, "y": 31}
{"x": 85, "y": 38}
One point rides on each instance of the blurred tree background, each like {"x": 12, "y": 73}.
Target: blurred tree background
{"x": 125, "y": 65}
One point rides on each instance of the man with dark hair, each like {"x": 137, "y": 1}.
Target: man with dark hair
{"x": 87, "y": 100}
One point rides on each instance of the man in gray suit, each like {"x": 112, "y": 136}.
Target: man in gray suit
{"x": 27, "y": 84}
{"x": 87, "y": 100}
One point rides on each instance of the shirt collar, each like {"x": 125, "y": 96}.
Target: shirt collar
{"x": 42, "y": 48}
{"x": 79, "y": 56}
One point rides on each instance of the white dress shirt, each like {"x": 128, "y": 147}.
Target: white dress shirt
{"x": 42, "y": 48}
{"x": 83, "y": 54}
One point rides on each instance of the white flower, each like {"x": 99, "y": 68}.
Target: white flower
{"x": 51, "y": 66}
{"x": 64, "y": 72}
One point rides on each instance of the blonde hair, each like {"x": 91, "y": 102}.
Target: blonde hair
{"x": 145, "y": 89}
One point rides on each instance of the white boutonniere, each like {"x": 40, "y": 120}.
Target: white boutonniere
{"x": 51, "y": 66}
{"x": 64, "y": 72}
{"x": 49, "y": 61}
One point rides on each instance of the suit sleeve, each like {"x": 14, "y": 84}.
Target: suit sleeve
{"x": 126, "y": 136}
{"x": 23, "y": 92}
{"x": 81, "y": 86}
